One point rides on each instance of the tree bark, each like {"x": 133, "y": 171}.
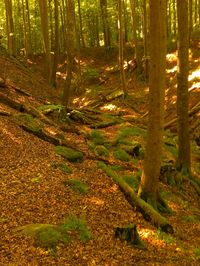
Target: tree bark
{"x": 149, "y": 182}
{"x": 182, "y": 87}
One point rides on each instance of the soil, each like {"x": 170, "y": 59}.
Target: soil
{"x": 33, "y": 191}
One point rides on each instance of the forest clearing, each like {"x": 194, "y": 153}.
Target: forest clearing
{"x": 99, "y": 135}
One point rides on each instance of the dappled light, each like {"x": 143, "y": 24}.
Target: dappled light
{"x": 99, "y": 133}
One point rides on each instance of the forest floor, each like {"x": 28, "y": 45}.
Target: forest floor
{"x": 33, "y": 188}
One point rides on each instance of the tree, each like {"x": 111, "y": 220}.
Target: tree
{"x": 71, "y": 38}
{"x": 45, "y": 34}
{"x": 148, "y": 189}
{"x": 10, "y": 28}
{"x": 182, "y": 87}
{"x": 121, "y": 48}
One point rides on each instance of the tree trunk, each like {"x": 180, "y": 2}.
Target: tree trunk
{"x": 70, "y": 51}
{"x": 10, "y": 28}
{"x": 149, "y": 183}
{"x": 121, "y": 48}
{"x": 182, "y": 87}
{"x": 45, "y": 34}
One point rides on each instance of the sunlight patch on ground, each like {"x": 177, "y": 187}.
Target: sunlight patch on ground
{"x": 109, "y": 107}
{"x": 95, "y": 200}
{"x": 195, "y": 74}
{"x": 145, "y": 233}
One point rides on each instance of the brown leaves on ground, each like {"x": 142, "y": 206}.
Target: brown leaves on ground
{"x": 33, "y": 191}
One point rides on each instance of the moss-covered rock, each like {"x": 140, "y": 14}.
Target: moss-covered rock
{"x": 77, "y": 185}
{"x": 97, "y": 137}
{"x": 63, "y": 167}
{"x": 70, "y": 154}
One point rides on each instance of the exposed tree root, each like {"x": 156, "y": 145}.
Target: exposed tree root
{"x": 148, "y": 212}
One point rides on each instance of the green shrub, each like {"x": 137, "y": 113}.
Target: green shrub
{"x": 121, "y": 155}
{"x": 69, "y": 154}
{"x": 77, "y": 186}
{"x": 117, "y": 167}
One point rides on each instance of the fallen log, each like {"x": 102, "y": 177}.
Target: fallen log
{"x": 148, "y": 212}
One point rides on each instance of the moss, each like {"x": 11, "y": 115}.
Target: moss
{"x": 69, "y": 154}
{"x": 121, "y": 155}
{"x": 77, "y": 186}
{"x": 50, "y": 236}
{"x": 78, "y": 225}
{"x": 190, "y": 219}
{"x": 168, "y": 239}
{"x": 117, "y": 168}
{"x": 97, "y": 137}
{"x": 33, "y": 124}
{"x": 63, "y": 167}
{"x": 101, "y": 151}
{"x": 131, "y": 131}
{"x": 132, "y": 181}
{"x": 51, "y": 107}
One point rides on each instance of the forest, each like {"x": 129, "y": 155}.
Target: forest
{"x": 99, "y": 132}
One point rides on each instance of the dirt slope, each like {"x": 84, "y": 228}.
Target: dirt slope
{"x": 32, "y": 191}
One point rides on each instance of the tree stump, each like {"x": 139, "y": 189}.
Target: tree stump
{"x": 129, "y": 233}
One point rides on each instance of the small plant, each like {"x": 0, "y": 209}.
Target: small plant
{"x": 73, "y": 223}
{"x": 163, "y": 236}
{"x": 121, "y": 155}
{"x": 77, "y": 186}
{"x": 50, "y": 238}
{"x": 97, "y": 137}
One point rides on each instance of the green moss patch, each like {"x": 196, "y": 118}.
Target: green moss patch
{"x": 121, "y": 155}
{"x": 132, "y": 180}
{"x": 97, "y": 137}
{"x": 49, "y": 236}
{"x": 63, "y": 167}
{"x": 77, "y": 186}
{"x": 100, "y": 150}
{"x": 70, "y": 154}
{"x": 33, "y": 124}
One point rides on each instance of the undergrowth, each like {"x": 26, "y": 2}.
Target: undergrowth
{"x": 77, "y": 186}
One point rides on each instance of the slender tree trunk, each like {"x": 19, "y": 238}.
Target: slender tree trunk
{"x": 70, "y": 52}
{"x": 106, "y": 28}
{"x": 121, "y": 48}
{"x": 182, "y": 87}
{"x": 10, "y": 28}
{"x": 56, "y": 45}
{"x": 133, "y": 16}
{"x": 148, "y": 189}
{"x": 45, "y": 33}
{"x": 190, "y": 20}
{"x": 81, "y": 24}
